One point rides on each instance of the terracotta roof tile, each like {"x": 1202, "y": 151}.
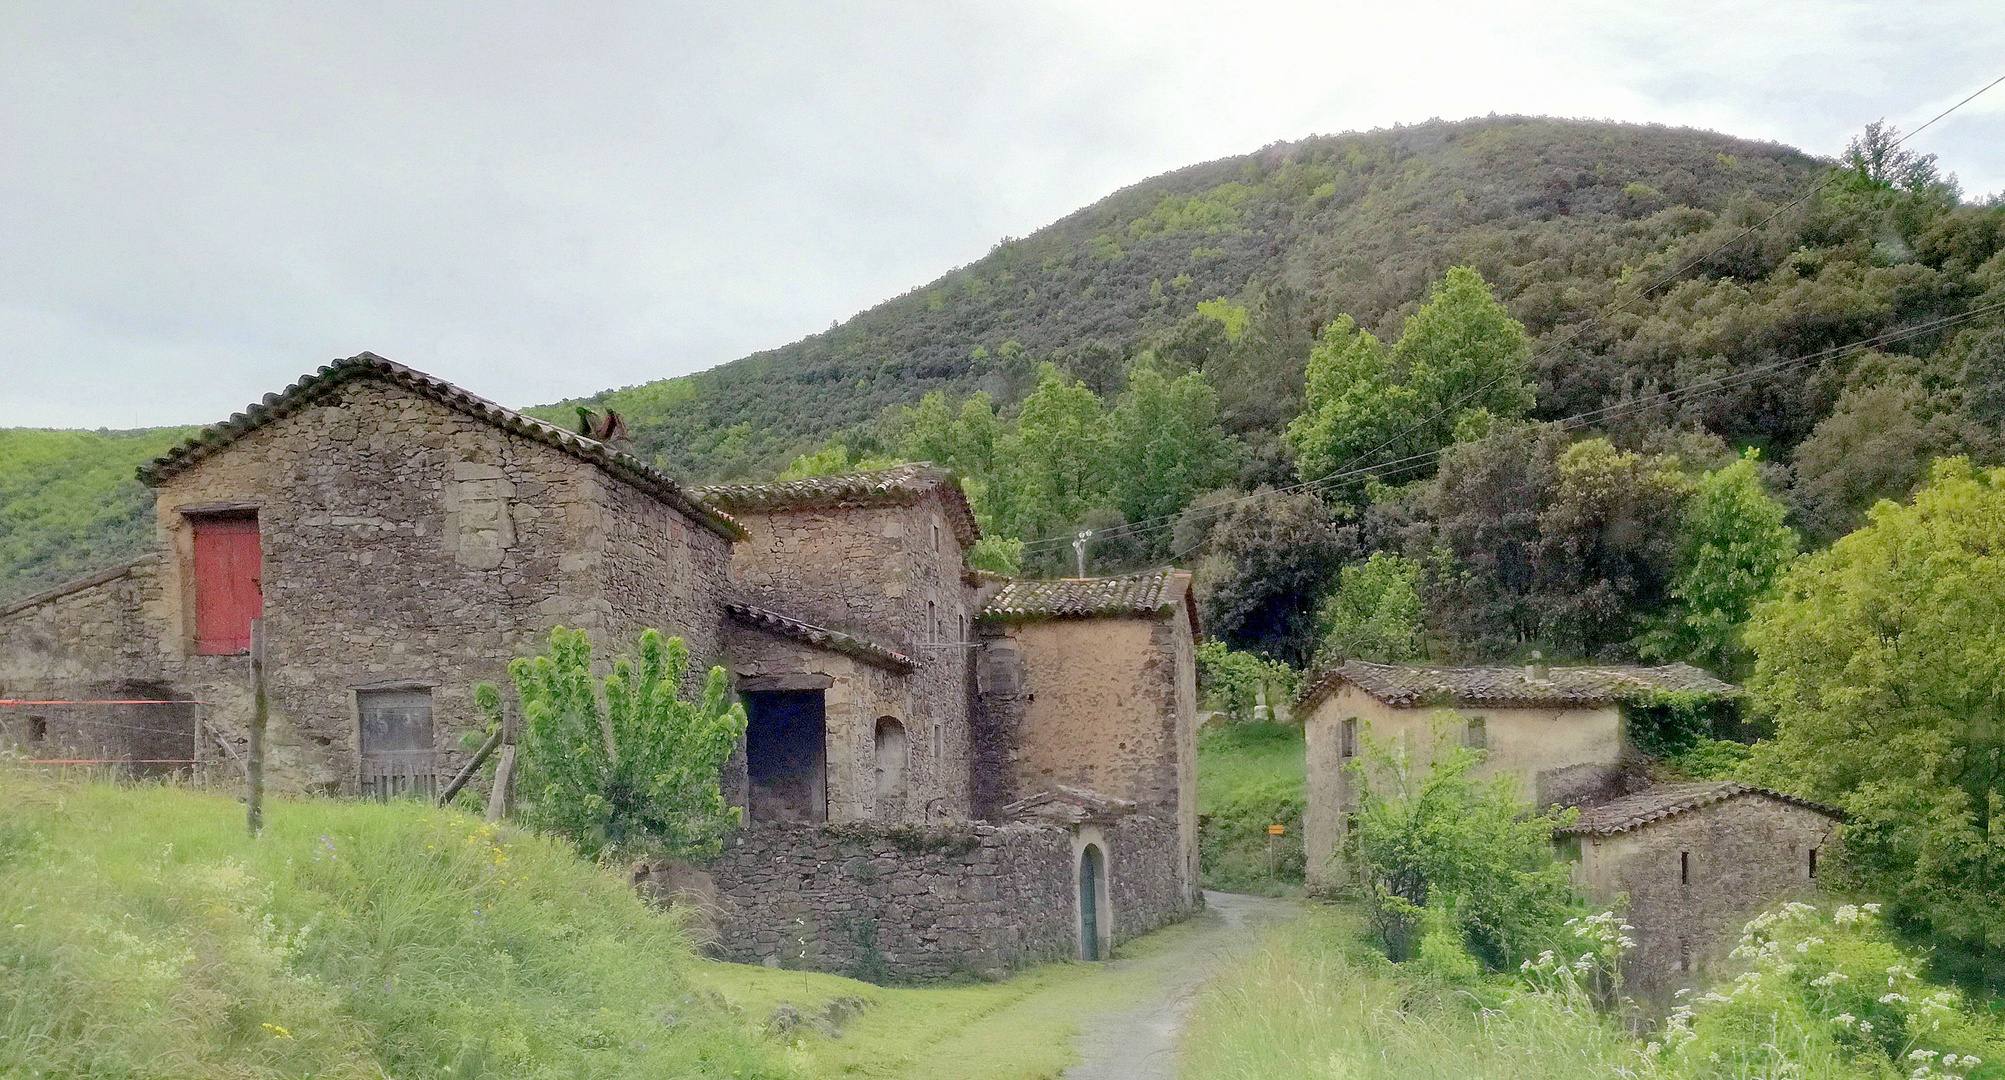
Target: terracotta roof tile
{"x": 772, "y": 622}
{"x": 313, "y": 388}
{"x": 1409, "y": 685}
{"x": 901, "y": 486}
{"x": 1133, "y": 594}
{"x": 1662, "y": 801}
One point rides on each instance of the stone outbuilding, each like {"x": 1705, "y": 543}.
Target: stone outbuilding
{"x": 398, "y": 540}
{"x": 1695, "y": 862}
{"x": 1558, "y": 731}
{"x": 1691, "y": 861}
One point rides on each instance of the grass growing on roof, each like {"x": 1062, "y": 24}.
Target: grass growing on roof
{"x": 142, "y": 934}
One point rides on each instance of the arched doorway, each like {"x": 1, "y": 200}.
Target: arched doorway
{"x": 1092, "y": 890}
{"x": 891, "y": 759}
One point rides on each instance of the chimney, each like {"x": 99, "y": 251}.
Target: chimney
{"x": 1536, "y": 669}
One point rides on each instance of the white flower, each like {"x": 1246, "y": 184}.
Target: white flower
{"x": 1846, "y": 915}
{"x": 1828, "y": 980}
{"x": 1870, "y": 909}
{"x": 1844, "y": 1019}
{"x": 1922, "y": 1055}
{"x": 1893, "y": 999}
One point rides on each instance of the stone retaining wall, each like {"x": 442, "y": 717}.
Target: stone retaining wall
{"x": 910, "y": 903}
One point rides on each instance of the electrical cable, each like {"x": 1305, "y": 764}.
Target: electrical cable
{"x": 1056, "y": 542}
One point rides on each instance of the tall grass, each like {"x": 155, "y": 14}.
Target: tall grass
{"x": 1309, "y": 1004}
{"x": 1251, "y": 776}
{"x": 142, "y": 934}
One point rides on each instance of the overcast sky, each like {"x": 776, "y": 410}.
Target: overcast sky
{"x": 200, "y": 202}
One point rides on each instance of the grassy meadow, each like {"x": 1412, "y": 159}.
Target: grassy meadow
{"x": 143, "y": 935}
{"x": 1251, "y": 776}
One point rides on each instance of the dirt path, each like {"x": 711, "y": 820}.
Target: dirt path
{"x": 1139, "y": 1041}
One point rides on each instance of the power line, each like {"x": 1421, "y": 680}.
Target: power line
{"x": 1134, "y": 528}
{"x": 1675, "y": 395}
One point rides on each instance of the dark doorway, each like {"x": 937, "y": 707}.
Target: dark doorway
{"x": 397, "y": 750}
{"x": 1091, "y": 872}
{"x": 786, "y": 736}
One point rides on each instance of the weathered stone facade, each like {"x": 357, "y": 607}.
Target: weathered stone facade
{"x": 399, "y": 540}
{"x": 1695, "y": 861}
{"x": 906, "y": 903}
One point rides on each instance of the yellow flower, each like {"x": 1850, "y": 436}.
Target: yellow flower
{"x": 277, "y": 1031}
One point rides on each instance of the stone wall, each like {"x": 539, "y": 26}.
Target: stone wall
{"x": 1741, "y": 856}
{"x": 1565, "y": 756}
{"x": 1105, "y": 704}
{"x": 909, "y": 903}
{"x": 904, "y": 903}
{"x": 876, "y": 572}
{"x": 856, "y": 695}
{"x": 87, "y": 641}
{"x": 405, "y": 545}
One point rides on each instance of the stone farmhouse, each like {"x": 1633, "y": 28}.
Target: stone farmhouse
{"x": 943, "y": 771}
{"x": 1695, "y": 861}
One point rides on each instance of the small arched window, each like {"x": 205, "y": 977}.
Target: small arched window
{"x": 891, "y": 755}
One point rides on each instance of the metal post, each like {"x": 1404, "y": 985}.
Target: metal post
{"x": 254, "y": 768}
{"x": 1079, "y": 548}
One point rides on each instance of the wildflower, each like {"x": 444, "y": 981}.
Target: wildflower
{"x": 1846, "y": 915}
{"x": 1893, "y": 999}
{"x": 1828, "y": 980}
{"x": 1844, "y": 1019}
{"x": 277, "y": 1031}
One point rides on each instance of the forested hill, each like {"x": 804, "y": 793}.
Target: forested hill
{"x": 1553, "y": 212}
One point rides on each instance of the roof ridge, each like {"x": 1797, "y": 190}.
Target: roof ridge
{"x": 1140, "y": 593}
{"x": 1660, "y": 801}
{"x": 1506, "y": 686}
{"x": 760, "y": 617}
{"x": 899, "y": 485}
{"x": 311, "y": 387}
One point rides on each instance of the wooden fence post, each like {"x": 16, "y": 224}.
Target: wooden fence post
{"x": 254, "y": 768}
{"x": 504, "y": 770}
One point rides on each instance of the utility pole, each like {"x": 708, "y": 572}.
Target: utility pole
{"x": 1079, "y": 548}
{"x": 254, "y": 768}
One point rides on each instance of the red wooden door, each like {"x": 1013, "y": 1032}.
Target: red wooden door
{"x": 227, "y": 584}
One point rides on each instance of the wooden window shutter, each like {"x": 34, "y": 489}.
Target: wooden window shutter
{"x": 228, "y": 583}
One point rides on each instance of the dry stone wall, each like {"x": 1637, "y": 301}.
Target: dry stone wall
{"x": 908, "y": 903}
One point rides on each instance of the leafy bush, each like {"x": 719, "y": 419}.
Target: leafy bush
{"x": 1438, "y": 839}
{"x": 637, "y": 770}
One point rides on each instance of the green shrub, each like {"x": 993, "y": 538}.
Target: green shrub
{"x": 1251, "y": 776}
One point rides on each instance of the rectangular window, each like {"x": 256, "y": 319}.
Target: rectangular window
{"x": 398, "y": 757}
{"x": 1478, "y": 735}
{"x": 1684, "y": 956}
{"x": 1813, "y": 864}
{"x": 229, "y": 590}
{"x": 1350, "y": 737}
{"x": 936, "y": 538}
{"x": 38, "y": 728}
{"x": 1684, "y": 868}
{"x": 933, "y": 620}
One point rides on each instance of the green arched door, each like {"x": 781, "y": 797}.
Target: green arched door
{"x": 1090, "y": 871}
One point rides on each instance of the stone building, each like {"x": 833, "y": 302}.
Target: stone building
{"x": 398, "y": 540}
{"x": 1695, "y": 860}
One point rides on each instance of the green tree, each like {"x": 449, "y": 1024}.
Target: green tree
{"x": 1055, "y": 462}
{"x": 1355, "y": 412}
{"x": 623, "y": 764}
{"x": 1732, "y": 543}
{"x": 1882, "y": 660}
{"x": 1375, "y": 613}
{"x": 1462, "y": 352}
{"x": 1233, "y": 680}
{"x": 1167, "y": 445}
{"x": 1436, "y": 839}
{"x": 1266, "y": 559}
{"x": 833, "y": 460}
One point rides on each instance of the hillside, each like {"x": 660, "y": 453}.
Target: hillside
{"x": 1552, "y": 211}
{"x": 1230, "y": 269}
